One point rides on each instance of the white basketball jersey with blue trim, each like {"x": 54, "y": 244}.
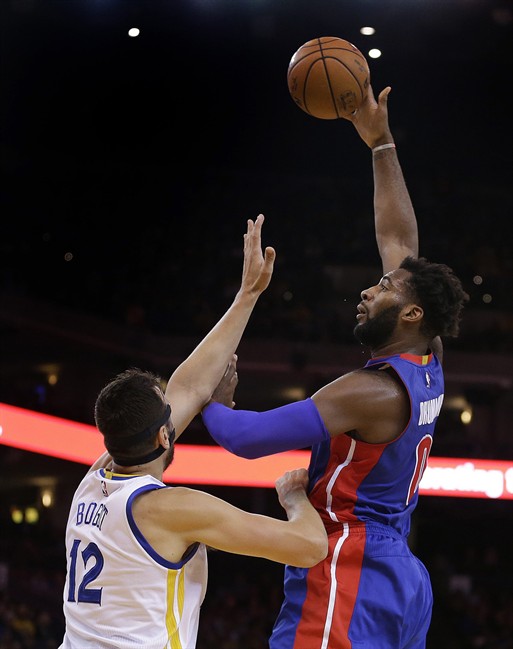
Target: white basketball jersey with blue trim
{"x": 119, "y": 593}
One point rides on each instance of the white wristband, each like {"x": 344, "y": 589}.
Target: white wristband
{"x": 381, "y": 147}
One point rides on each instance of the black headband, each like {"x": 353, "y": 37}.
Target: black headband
{"x": 136, "y": 438}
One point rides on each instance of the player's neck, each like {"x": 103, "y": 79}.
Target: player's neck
{"x": 419, "y": 348}
{"x": 150, "y": 468}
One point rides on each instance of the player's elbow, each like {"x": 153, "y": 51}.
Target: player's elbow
{"x": 247, "y": 451}
{"x": 313, "y": 552}
{"x": 238, "y": 445}
{"x": 320, "y": 550}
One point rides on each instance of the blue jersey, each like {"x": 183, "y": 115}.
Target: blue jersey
{"x": 370, "y": 592}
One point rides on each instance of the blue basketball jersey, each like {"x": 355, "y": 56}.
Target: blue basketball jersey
{"x": 370, "y": 592}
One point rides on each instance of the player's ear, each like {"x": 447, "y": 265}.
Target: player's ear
{"x": 164, "y": 437}
{"x": 412, "y": 313}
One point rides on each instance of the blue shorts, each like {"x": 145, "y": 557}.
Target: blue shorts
{"x": 371, "y": 592}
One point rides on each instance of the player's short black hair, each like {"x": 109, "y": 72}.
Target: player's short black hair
{"x": 439, "y": 293}
{"x": 132, "y": 402}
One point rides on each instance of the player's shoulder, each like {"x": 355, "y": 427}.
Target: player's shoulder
{"x": 381, "y": 375}
{"x": 175, "y": 497}
{"x": 355, "y": 388}
{"x": 161, "y": 504}
{"x": 383, "y": 381}
{"x": 363, "y": 400}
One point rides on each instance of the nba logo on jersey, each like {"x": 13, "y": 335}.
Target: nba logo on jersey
{"x": 428, "y": 380}
{"x": 104, "y": 488}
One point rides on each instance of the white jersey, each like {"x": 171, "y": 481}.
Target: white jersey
{"x": 119, "y": 593}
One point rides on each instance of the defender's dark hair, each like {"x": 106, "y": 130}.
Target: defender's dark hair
{"x": 132, "y": 402}
{"x": 439, "y": 293}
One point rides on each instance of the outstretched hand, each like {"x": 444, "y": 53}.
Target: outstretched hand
{"x": 371, "y": 119}
{"x": 258, "y": 267}
{"x": 225, "y": 390}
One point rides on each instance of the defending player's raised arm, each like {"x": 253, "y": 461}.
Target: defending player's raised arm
{"x": 395, "y": 221}
{"x": 194, "y": 380}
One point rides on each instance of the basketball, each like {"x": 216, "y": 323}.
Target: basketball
{"x": 328, "y": 77}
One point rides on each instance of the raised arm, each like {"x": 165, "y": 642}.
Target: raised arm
{"x": 394, "y": 217}
{"x": 395, "y": 222}
{"x": 194, "y": 380}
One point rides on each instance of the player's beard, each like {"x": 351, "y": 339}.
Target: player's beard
{"x": 169, "y": 456}
{"x": 376, "y": 331}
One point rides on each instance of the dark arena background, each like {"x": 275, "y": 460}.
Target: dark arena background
{"x": 130, "y": 163}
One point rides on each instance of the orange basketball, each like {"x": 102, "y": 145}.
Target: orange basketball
{"x": 328, "y": 77}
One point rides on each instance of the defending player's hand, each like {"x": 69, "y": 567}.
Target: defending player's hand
{"x": 291, "y": 486}
{"x": 225, "y": 390}
{"x": 258, "y": 267}
{"x": 371, "y": 119}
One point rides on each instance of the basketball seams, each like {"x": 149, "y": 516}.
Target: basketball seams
{"x": 328, "y": 77}
{"x": 330, "y": 86}
{"x": 347, "y": 68}
{"x": 305, "y": 85}
{"x": 323, "y": 55}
